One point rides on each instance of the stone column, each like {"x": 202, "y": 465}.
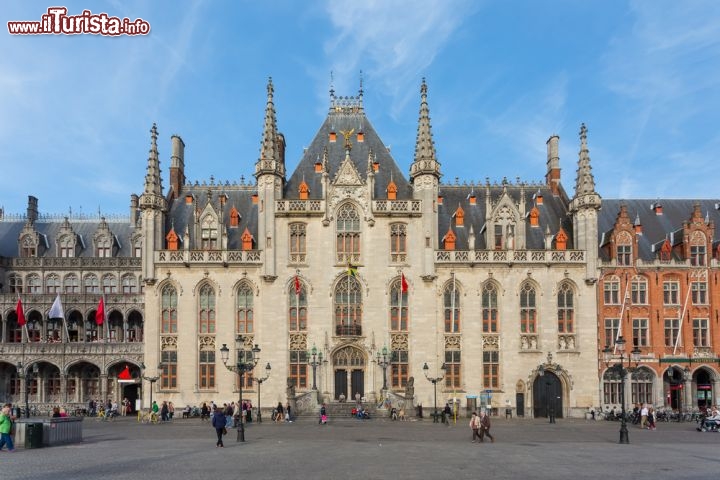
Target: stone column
{"x": 688, "y": 394}
{"x": 63, "y": 387}
{"x": 103, "y": 388}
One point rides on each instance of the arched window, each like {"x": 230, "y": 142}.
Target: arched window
{"x": 399, "y": 307}
{"x": 489, "y": 309}
{"x": 209, "y": 233}
{"x": 16, "y": 283}
{"x": 348, "y": 307}
{"x": 298, "y": 308}
{"x": 611, "y": 388}
{"x": 348, "y": 234}
{"x": 398, "y": 242}
{"x": 91, "y": 284}
{"x": 109, "y": 283}
{"x": 34, "y": 326}
{"x": 298, "y": 249}
{"x": 244, "y": 310}
{"x": 528, "y": 310}
{"x": 206, "y": 367}
{"x": 52, "y": 284}
{"x": 129, "y": 284}
{"x": 638, "y": 288}
{"x": 566, "y": 309}
{"x": 169, "y": 310}
{"x": 641, "y": 384}
{"x": 71, "y": 283}
{"x": 451, "y": 303}
{"x": 611, "y": 291}
{"x": 206, "y": 311}
{"x": 34, "y": 285}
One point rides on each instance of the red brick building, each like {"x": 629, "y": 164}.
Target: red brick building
{"x": 659, "y": 290}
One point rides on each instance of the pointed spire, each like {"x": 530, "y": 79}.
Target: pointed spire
{"x": 360, "y": 92}
{"x": 153, "y": 182}
{"x": 425, "y": 158}
{"x": 585, "y": 194}
{"x": 271, "y": 156}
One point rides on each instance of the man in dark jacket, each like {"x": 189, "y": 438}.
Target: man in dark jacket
{"x": 218, "y": 422}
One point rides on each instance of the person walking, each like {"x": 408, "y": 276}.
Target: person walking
{"x": 323, "y": 415}
{"x": 485, "y": 426}
{"x": 643, "y": 416}
{"x": 475, "y": 427}
{"x": 288, "y": 413}
{"x": 6, "y": 424}
{"x": 447, "y": 413}
{"x": 171, "y": 410}
{"x": 218, "y": 422}
{"x": 651, "y": 418}
{"x": 164, "y": 411}
{"x": 280, "y": 413}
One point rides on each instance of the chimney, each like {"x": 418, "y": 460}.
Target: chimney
{"x": 552, "y": 177}
{"x": 177, "y": 166}
{"x": 133, "y": 208}
{"x": 32, "y": 209}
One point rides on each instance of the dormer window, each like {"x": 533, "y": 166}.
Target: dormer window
{"x": 234, "y": 217}
{"x": 449, "y": 240}
{"x": 209, "y": 234}
{"x": 103, "y": 247}
{"x": 303, "y": 190}
{"x": 666, "y": 251}
{"x": 561, "y": 240}
{"x": 534, "y": 217}
{"x": 392, "y": 191}
{"x": 172, "y": 240}
{"x": 697, "y": 255}
{"x": 247, "y": 240}
{"x": 459, "y": 217}
{"x": 28, "y": 247}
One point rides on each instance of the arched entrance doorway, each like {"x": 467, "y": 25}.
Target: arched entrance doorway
{"x": 349, "y": 367}
{"x": 674, "y": 386}
{"x": 704, "y": 388}
{"x": 547, "y": 395}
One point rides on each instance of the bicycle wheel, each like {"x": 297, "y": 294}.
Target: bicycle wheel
{"x": 154, "y": 418}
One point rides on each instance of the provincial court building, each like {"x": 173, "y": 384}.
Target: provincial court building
{"x": 380, "y": 270}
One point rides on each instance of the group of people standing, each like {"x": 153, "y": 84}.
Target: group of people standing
{"x": 227, "y": 416}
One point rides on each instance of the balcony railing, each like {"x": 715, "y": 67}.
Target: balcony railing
{"x": 72, "y": 348}
{"x": 220, "y": 257}
{"x": 510, "y": 256}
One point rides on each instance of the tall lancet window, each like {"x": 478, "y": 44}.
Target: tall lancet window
{"x": 348, "y": 234}
{"x": 348, "y": 307}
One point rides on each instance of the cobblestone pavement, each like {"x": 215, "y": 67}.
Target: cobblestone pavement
{"x": 373, "y": 449}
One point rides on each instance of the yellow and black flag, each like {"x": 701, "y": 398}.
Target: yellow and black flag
{"x": 352, "y": 270}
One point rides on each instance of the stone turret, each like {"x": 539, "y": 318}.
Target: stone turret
{"x": 153, "y": 206}
{"x": 584, "y": 207}
{"x": 270, "y": 174}
{"x": 425, "y": 177}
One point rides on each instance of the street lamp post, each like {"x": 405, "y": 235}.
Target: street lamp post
{"x": 622, "y": 370}
{"x": 314, "y": 359}
{"x": 384, "y": 363}
{"x": 31, "y": 374}
{"x": 245, "y": 363}
{"x": 151, "y": 379}
{"x": 260, "y": 382}
{"x": 434, "y": 381}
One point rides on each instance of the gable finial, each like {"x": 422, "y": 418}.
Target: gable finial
{"x": 332, "y": 86}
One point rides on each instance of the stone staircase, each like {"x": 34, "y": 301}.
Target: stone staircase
{"x": 339, "y": 411}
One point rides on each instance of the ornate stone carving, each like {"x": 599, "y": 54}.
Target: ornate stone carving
{"x": 453, "y": 342}
{"x": 206, "y": 341}
{"x": 168, "y": 342}
{"x": 566, "y": 342}
{"x": 490, "y": 342}
{"x": 528, "y": 342}
{"x": 298, "y": 341}
{"x": 399, "y": 342}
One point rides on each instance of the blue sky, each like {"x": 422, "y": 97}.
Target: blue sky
{"x": 75, "y": 111}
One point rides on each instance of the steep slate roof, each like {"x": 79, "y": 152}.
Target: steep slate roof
{"x": 335, "y": 122}
{"x": 655, "y": 228}
{"x": 239, "y": 196}
{"x": 553, "y": 213}
{"x": 49, "y": 227}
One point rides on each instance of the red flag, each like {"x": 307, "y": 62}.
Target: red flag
{"x": 403, "y": 283}
{"x": 20, "y": 313}
{"x": 100, "y": 314}
{"x": 297, "y": 285}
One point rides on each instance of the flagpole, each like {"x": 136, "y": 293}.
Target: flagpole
{"x": 622, "y": 311}
{"x": 682, "y": 317}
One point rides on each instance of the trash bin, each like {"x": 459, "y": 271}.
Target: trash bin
{"x": 33, "y": 435}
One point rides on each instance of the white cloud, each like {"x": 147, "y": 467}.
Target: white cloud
{"x": 393, "y": 41}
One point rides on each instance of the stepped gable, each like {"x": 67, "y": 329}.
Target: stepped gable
{"x": 181, "y": 213}
{"x": 347, "y": 114}
{"x": 49, "y": 227}
{"x": 553, "y": 214}
{"x": 655, "y": 228}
